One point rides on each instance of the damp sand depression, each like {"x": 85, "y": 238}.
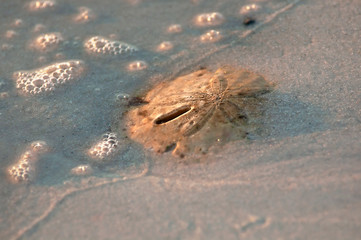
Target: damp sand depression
{"x": 69, "y": 69}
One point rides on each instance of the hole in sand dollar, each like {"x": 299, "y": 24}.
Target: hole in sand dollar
{"x": 172, "y": 115}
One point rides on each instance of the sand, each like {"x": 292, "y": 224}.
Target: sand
{"x": 300, "y": 180}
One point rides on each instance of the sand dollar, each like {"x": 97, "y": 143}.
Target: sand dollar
{"x": 197, "y": 110}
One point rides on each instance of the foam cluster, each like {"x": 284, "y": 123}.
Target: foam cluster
{"x": 104, "y": 46}
{"x": 6, "y": 47}
{"x": 105, "y": 147}
{"x": 48, "y": 78}
{"x": 10, "y": 34}
{"x": 175, "y": 28}
{"x": 249, "y": 8}
{"x": 164, "y": 46}
{"x": 4, "y": 95}
{"x": 17, "y": 22}
{"x": 37, "y": 5}
{"x": 39, "y": 27}
{"x": 48, "y": 41}
{"x": 82, "y": 170}
{"x": 137, "y": 66}
{"x": 211, "y": 36}
{"x": 84, "y": 15}
{"x": 209, "y": 19}
{"x": 24, "y": 170}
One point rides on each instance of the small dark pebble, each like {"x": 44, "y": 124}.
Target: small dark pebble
{"x": 136, "y": 101}
{"x": 249, "y": 21}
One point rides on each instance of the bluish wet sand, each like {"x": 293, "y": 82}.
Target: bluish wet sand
{"x": 299, "y": 178}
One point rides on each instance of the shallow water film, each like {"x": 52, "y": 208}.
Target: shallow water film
{"x": 70, "y": 72}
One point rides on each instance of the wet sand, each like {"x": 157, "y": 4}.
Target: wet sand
{"x": 299, "y": 180}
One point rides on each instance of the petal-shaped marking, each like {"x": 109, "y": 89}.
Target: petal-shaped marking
{"x": 218, "y": 82}
{"x": 197, "y": 119}
{"x": 170, "y": 100}
{"x": 234, "y": 114}
{"x": 249, "y": 91}
{"x": 253, "y": 86}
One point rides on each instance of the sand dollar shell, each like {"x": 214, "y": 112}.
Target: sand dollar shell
{"x": 196, "y": 110}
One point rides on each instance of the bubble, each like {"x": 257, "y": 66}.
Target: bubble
{"x": 10, "y": 34}
{"x": 39, "y": 147}
{"x": 134, "y": 2}
{"x": 48, "y": 78}
{"x": 37, "y": 5}
{"x": 165, "y": 46}
{"x": 24, "y": 170}
{"x": 17, "y": 23}
{"x": 122, "y": 97}
{"x": 249, "y": 8}
{"x": 104, "y": 147}
{"x": 209, "y": 19}
{"x": 48, "y": 41}
{"x": 113, "y": 36}
{"x": 137, "y": 66}
{"x": 59, "y": 56}
{"x": 6, "y": 47}
{"x": 211, "y": 36}
{"x": 39, "y": 27}
{"x": 84, "y": 15}
{"x": 4, "y": 95}
{"x": 103, "y": 46}
{"x": 175, "y": 28}
{"x": 82, "y": 170}
{"x": 42, "y": 59}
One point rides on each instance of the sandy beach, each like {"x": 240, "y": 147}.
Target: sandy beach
{"x": 298, "y": 178}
